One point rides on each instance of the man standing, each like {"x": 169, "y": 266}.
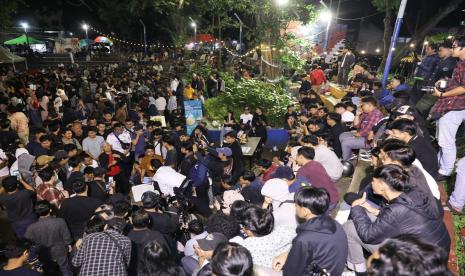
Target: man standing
{"x": 238, "y": 164}
{"x": 347, "y": 61}
{"x": 443, "y": 70}
{"x": 320, "y": 239}
{"x": 424, "y": 71}
{"x": 51, "y": 235}
{"x": 449, "y": 110}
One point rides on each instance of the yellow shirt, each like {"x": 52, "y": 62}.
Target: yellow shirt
{"x": 188, "y": 93}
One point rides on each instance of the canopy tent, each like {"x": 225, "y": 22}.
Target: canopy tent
{"x": 22, "y": 39}
{"x": 203, "y": 38}
{"x": 8, "y": 57}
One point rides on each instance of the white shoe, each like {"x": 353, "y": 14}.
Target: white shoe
{"x": 348, "y": 273}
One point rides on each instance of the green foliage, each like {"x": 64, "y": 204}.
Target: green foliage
{"x": 272, "y": 98}
{"x": 459, "y": 224}
{"x": 292, "y": 61}
{"x": 380, "y": 5}
{"x": 437, "y": 38}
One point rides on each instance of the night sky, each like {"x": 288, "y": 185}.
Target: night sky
{"x": 68, "y": 15}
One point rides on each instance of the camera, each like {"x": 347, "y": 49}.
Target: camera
{"x": 441, "y": 86}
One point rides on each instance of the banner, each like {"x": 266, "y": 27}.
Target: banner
{"x": 193, "y": 113}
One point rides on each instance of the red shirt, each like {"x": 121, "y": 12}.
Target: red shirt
{"x": 317, "y": 175}
{"x": 267, "y": 174}
{"x": 317, "y": 77}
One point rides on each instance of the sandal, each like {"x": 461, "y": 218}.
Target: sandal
{"x": 453, "y": 210}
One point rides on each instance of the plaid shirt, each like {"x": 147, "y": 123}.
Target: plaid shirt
{"x": 367, "y": 121}
{"x": 99, "y": 254}
{"x": 446, "y": 104}
{"x": 46, "y": 191}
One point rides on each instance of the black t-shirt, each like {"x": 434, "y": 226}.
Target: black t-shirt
{"x": 20, "y": 271}
{"x": 426, "y": 154}
{"x": 171, "y": 158}
{"x": 73, "y": 177}
{"x": 97, "y": 189}
{"x": 19, "y": 205}
{"x": 77, "y": 211}
{"x": 162, "y": 222}
{"x": 7, "y": 138}
{"x": 139, "y": 239}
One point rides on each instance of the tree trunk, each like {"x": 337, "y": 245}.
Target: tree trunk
{"x": 389, "y": 14}
{"x": 425, "y": 27}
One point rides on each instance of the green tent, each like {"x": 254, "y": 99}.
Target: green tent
{"x": 23, "y": 40}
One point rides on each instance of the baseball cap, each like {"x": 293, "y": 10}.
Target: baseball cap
{"x": 211, "y": 241}
{"x": 225, "y": 151}
{"x": 283, "y": 172}
{"x": 44, "y": 160}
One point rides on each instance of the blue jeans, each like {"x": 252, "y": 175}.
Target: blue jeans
{"x": 457, "y": 198}
{"x": 350, "y": 142}
{"x": 446, "y": 130}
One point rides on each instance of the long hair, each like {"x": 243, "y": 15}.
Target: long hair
{"x": 157, "y": 262}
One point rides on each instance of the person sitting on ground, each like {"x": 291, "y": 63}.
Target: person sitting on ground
{"x": 281, "y": 201}
{"x": 156, "y": 260}
{"x": 409, "y": 212}
{"x": 325, "y": 156}
{"x": 232, "y": 259}
{"x": 320, "y": 239}
{"x": 262, "y": 239}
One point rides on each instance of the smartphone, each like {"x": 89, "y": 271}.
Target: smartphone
{"x": 109, "y": 183}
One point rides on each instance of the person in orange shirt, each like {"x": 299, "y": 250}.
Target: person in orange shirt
{"x": 145, "y": 162}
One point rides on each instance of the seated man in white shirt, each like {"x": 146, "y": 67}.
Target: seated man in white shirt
{"x": 346, "y": 115}
{"x": 327, "y": 158}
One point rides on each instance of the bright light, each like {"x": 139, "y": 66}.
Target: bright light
{"x": 282, "y": 3}
{"x": 24, "y": 25}
{"x": 326, "y": 15}
{"x": 193, "y": 25}
{"x": 450, "y": 37}
{"x": 70, "y": 33}
{"x": 305, "y": 30}
{"x": 393, "y": 49}
{"x": 85, "y": 26}
{"x": 362, "y": 52}
{"x": 412, "y": 45}
{"x": 425, "y": 43}
{"x": 377, "y": 50}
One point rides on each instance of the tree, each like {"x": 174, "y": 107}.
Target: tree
{"x": 389, "y": 7}
{"x": 7, "y": 10}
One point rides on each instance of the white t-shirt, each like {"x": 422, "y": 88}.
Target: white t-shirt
{"x": 160, "y": 103}
{"x": 3, "y": 158}
{"x": 347, "y": 116}
{"x": 329, "y": 160}
{"x": 167, "y": 179}
{"x": 247, "y": 118}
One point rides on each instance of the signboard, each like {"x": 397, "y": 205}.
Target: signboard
{"x": 65, "y": 45}
{"x": 193, "y": 113}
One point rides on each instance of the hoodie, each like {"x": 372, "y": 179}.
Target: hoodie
{"x": 283, "y": 202}
{"x": 321, "y": 241}
{"x": 413, "y": 213}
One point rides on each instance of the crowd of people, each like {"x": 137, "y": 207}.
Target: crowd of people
{"x": 77, "y": 144}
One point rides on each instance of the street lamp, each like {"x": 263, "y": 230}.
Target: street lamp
{"x": 25, "y": 27}
{"x": 240, "y": 32}
{"x": 326, "y": 15}
{"x": 378, "y": 50}
{"x": 362, "y": 52}
{"x": 194, "y": 25}
{"x": 85, "y": 27}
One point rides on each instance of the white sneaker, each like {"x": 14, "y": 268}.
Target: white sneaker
{"x": 348, "y": 273}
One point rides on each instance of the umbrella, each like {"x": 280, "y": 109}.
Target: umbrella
{"x": 84, "y": 42}
{"x": 102, "y": 39}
